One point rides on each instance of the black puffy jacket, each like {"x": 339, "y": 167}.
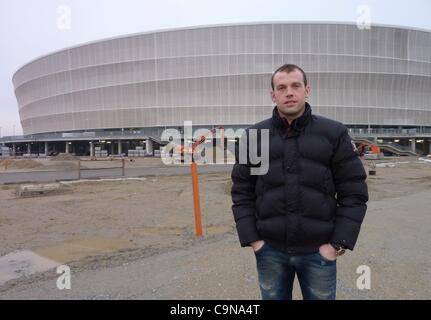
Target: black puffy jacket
{"x": 313, "y": 193}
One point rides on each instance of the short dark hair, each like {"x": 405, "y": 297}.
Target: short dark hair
{"x": 288, "y": 68}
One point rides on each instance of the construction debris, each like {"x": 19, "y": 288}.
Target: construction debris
{"x": 426, "y": 159}
{"x": 35, "y": 190}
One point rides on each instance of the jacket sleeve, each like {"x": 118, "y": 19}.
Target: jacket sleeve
{"x": 244, "y": 200}
{"x": 351, "y": 192}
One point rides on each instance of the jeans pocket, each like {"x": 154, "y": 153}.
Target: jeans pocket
{"x": 261, "y": 249}
{"x": 326, "y": 259}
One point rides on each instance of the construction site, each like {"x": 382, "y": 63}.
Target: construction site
{"x": 135, "y": 237}
{"x": 85, "y": 188}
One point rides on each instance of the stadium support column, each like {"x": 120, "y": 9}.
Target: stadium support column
{"x": 149, "y": 146}
{"x": 28, "y": 148}
{"x": 67, "y": 146}
{"x": 119, "y": 147}
{"x": 46, "y": 148}
{"x": 413, "y": 145}
{"x": 14, "y": 149}
{"x": 91, "y": 149}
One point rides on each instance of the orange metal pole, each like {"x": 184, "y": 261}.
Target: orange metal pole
{"x": 196, "y": 201}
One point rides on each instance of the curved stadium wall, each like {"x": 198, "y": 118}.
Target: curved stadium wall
{"x": 220, "y": 75}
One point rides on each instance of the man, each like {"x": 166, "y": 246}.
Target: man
{"x": 308, "y": 207}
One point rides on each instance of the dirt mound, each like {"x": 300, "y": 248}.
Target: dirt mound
{"x": 22, "y": 164}
{"x": 64, "y": 157}
{"x": 62, "y": 165}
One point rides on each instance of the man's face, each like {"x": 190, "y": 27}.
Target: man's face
{"x": 289, "y": 94}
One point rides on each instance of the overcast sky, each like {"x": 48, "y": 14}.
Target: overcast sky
{"x": 29, "y": 28}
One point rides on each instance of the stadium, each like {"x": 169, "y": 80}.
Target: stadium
{"x": 123, "y": 92}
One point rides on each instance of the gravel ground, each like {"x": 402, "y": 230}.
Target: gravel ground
{"x": 166, "y": 260}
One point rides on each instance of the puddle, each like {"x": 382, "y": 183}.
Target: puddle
{"x": 22, "y": 263}
{"x": 77, "y": 249}
{"x": 26, "y": 262}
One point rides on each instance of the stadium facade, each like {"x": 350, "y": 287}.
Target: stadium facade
{"x": 376, "y": 81}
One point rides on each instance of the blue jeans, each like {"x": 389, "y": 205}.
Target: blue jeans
{"x": 317, "y": 275}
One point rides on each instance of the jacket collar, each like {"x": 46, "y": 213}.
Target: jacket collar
{"x": 296, "y": 124}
